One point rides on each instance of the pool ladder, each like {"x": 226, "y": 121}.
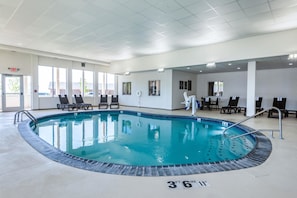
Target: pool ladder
{"x": 21, "y": 113}
{"x": 280, "y": 130}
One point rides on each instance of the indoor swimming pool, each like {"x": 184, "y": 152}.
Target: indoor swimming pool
{"x": 143, "y": 144}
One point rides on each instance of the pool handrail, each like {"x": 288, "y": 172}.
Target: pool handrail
{"x": 249, "y": 117}
{"x": 27, "y": 113}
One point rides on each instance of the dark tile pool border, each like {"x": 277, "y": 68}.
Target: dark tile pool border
{"x": 256, "y": 157}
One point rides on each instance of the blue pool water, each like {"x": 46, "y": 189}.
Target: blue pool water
{"x": 140, "y": 139}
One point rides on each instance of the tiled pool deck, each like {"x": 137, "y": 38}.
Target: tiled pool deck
{"x": 24, "y": 172}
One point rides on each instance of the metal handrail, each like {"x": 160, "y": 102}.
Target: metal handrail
{"x": 27, "y": 113}
{"x": 279, "y": 124}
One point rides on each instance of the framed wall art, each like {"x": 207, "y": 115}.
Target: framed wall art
{"x": 126, "y": 88}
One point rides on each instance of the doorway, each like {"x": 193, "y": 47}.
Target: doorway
{"x": 12, "y": 92}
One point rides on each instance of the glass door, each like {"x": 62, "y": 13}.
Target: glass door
{"x": 12, "y": 93}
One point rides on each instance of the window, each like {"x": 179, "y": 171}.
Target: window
{"x": 110, "y": 84}
{"x": 106, "y": 83}
{"x": 215, "y": 88}
{"x": 88, "y": 83}
{"x": 101, "y": 83}
{"x": 77, "y": 82}
{"x": 82, "y": 82}
{"x": 53, "y": 83}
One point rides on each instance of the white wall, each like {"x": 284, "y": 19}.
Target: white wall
{"x": 171, "y": 96}
{"x": 277, "y": 83}
{"x": 269, "y": 84}
{"x": 15, "y": 59}
{"x": 235, "y": 84}
{"x": 177, "y": 94}
{"x": 139, "y": 81}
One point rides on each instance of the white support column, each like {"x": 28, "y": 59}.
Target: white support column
{"x": 96, "y": 88}
{"x": 69, "y": 82}
{"x": 251, "y": 88}
{"x": 34, "y": 82}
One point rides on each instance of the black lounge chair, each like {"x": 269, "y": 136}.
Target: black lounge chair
{"x": 64, "y": 104}
{"x": 114, "y": 102}
{"x": 205, "y": 103}
{"x": 258, "y": 105}
{"x": 232, "y": 106}
{"x": 214, "y": 104}
{"x": 81, "y": 104}
{"x": 279, "y": 103}
{"x": 103, "y": 102}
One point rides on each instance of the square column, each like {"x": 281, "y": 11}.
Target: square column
{"x": 251, "y": 89}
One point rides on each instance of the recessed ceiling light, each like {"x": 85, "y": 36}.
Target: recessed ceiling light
{"x": 238, "y": 67}
{"x": 127, "y": 73}
{"x": 188, "y": 67}
{"x": 160, "y": 69}
{"x": 229, "y": 64}
{"x": 200, "y": 71}
{"x": 292, "y": 56}
{"x": 211, "y": 65}
{"x": 290, "y": 64}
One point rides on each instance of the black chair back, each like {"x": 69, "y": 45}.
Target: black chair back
{"x": 233, "y": 101}
{"x": 103, "y": 99}
{"x": 78, "y": 99}
{"x": 114, "y": 98}
{"x": 279, "y": 103}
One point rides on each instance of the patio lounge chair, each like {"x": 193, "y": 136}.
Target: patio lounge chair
{"x": 64, "y": 104}
{"x": 232, "y": 105}
{"x": 281, "y": 104}
{"x": 81, "y": 104}
{"x": 114, "y": 102}
{"x": 258, "y": 105}
{"x": 205, "y": 103}
{"x": 215, "y": 104}
{"x": 103, "y": 102}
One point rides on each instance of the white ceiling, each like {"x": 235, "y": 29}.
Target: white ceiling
{"x": 110, "y": 30}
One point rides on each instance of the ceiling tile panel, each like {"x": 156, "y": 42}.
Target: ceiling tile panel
{"x": 156, "y": 15}
{"x": 279, "y": 4}
{"x": 228, "y": 8}
{"x": 165, "y": 6}
{"x": 207, "y": 15}
{"x": 186, "y": 3}
{"x": 216, "y": 3}
{"x": 190, "y": 20}
{"x": 233, "y": 16}
{"x": 26, "y": 13}
{"x": 135, "y": 5}
{"x": 5, "y": 13}
{"x": 261, "y": 8}
{"x": 179, "y": 14}
{"x": 198, "y": 8}
{"x": 247, "y": 4}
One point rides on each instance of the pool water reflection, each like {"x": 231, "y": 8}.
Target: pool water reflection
{"x": 139, "y": 139}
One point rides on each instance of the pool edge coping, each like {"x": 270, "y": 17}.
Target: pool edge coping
{"x": 256, "y": 157}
